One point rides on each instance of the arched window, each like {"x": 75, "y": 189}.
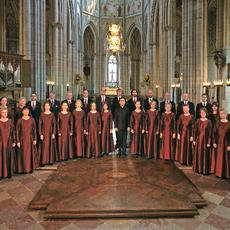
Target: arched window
{"x": 112, "y": 71}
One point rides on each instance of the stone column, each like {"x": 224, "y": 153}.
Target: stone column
{"x": 2, "y": 26}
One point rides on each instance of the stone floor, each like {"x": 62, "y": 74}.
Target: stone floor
{"x": 16, "y": 194}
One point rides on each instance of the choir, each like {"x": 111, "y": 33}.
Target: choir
{"x": 32, "y": 137}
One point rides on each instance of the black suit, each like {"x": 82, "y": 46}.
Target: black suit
{"x": 146, "y": 104}
{"x": 100, "y": 104}
{"x": 200, "y": 105}
{"x": 121, "y": 122}
{"x": 114, "y": 105}
{"x": 162, "y": 107}
{"x": 55, "y": 107}
{"x": 180, "y": 108}
{"x": 71, "y": 105}
{"x": 131, "y": 104}
{"x": 86, "y": 108}
{"x": 35, "y": 112}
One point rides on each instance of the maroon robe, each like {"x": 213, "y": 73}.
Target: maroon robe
{"x": 137, "y": 123}
{"x": 47, "y": 146}
{"x": 184, "y": 150}
{"x": 79, "y": 127}
{"x": 152, "y": 123}
{"x": 202, "y": 137}
{"x": 106, "y": 136}
{"x": 7, "y": 138}
{"x": 93, "y": 129}
{"x": 167, "y": 143}
{"x": 27, "y": 153}
{"x": 65, "y": 128}
{"x": 222, "y": 139}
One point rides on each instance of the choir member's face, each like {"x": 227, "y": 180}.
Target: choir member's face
{"x": 153, "y": 105}
{"x": 214, "y": 108}
{"x": 25, "y": 112}
{"x": 122, "y": 102}
{"x": 204, "y": 98}
{"x": 22, "y": 102}
{"x": 105, "y": 107}
{"x": 167, "y": 96}
{"x": 4, "y": 101}
{"x": 102, "y": 92}
{"x": 69, "y": 95}
{"x": 168, "y": 107}
{"x": 47, "y": 107}
{"x": 78, "y": 104}
{"x": 138, "y": 105}
{"x": 119, "y": 93}
{"x": 4, "y": 114}
{"x": 64, "y": 107}
{"x": 134, "y": 93}
{"x": 85, "y": 93}
{"x": 185, "y": 97}
{"x": 185, "y": 109}
{"x": 33, "y": 97}
{"x": 150, "y": 93}
{"x": 93, "y": 107}
{"x": 203, "y": 114}
{"x": 52, "y": 96}
{"x": 223, "y": 115}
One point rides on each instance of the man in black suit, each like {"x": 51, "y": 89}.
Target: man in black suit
{"x": 166, "y": 101}
{"x": 131, "y": 102}
{"x": 121, "y": 124}
{"x": 101, "y": 100}
{"x": 70, "y": 101}
{"x": 115, "y": 101}
{"x": 86, "y": 101}
{"x": 204, "y": 104}
{"x": 55, "y": 104}
{"x": 185, "y": 101}
{"x": 148, "y": 99}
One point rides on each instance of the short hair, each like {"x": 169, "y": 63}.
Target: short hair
{"x": 134, "y": 90}
{"x": 204, "y": 110}
{"x": 33, "y": 93}
{"x": 223, "y": 110}
{"x": 25, "y": 108}
{"x": 122, "y": 98}
{"x": 215, "y": 103}
{"x": 3, "y": 109}
{"x": 186, "y": 105}
{"x": 137, "y": 101}
{"x": 168, "y": 104}
{"x": 204, "y": 94}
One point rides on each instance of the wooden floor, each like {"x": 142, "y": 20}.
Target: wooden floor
{"x": 118, "y": 188}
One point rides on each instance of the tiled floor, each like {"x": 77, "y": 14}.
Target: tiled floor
{"x": 16, "y": 193}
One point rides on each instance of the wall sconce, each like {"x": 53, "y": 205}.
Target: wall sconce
{"x": 67, "y": 85}
{"x": 228, "y": 82}
{"x": 157, "y": 87}
{"x": 218, "y": 84}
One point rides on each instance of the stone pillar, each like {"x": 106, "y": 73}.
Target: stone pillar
{"x": 2, "y": 26}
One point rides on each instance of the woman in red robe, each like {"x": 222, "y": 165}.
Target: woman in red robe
{"x": 47, "y": 132}
{"x": 222, "y": 145}
{"x": 26, "y": 136}
{"x": 185, "y": 127}
{"x": 7, "y": 144}
{"x": 152, "y": 123}
{"x": 93, "y": 132}
{"x": 167, "y": 134}
{"x": 79, "y": 119}
{"x": 137, "y": 129}
{"x": 202, "y": 142}
{"x": 65, "y": 132}
{"x": 107, "y": 130}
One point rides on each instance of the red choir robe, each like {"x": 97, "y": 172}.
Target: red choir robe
{"x": 202, "y": 137}
{"x": 65, "y": 129}
{"x": 26, "y": 133}
{"x": 152, "y": 123}
{"x": 79, "y": 137}
{"x": 184, "y": 148}
{"x": 107, "y": 137}
{"x": 93, "y": 130}
{"x": 137, "y": 123}
{"x": 7, "y": 138}
{"x": 47, "y": 146}
{"x": 222, "y": 139}
{"x": 167, "y": 142}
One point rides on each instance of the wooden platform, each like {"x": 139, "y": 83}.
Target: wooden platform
{"x": 118, "y": 188}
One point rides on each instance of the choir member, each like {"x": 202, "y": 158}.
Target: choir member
{"x": 204, "y": 104}
{"x": 93, "y": 132}
{"x": 115, "y": 101}
{"x": 47, "y": 132}
{"x": 167, "y": 133}
{"x": 26, "y": 136}
{"x": 7, "y": 144}
{"x": 202, "y": 142}
{"x": 55, "y": 104}
{"x": 222, "y": 145}
{"x": 65, "y": 132}
{"x": 18, "y": 110}
{"x": 152, "y": 123}
{"x": 148, "y": 99}
{"x": 121, "y": 124}
{"x": 107, "y": 130}
{"x": 79, "y": 118}
{"x": 185, "y": 127}
{"x": 131, "y": 102}
{"x": 5, "y": 105}
{"x": 86, "y": 101}
{"x": 70, "y": 101}
{"x": 137, "y": 129}
{"x": 185, "y": 101}
{"x": 101, "y": 100}
{"x": 214, "y": 117}
{"x": 167, "y": 101}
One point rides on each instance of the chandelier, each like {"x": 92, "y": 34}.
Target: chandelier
{"x": 114, "y": 39}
